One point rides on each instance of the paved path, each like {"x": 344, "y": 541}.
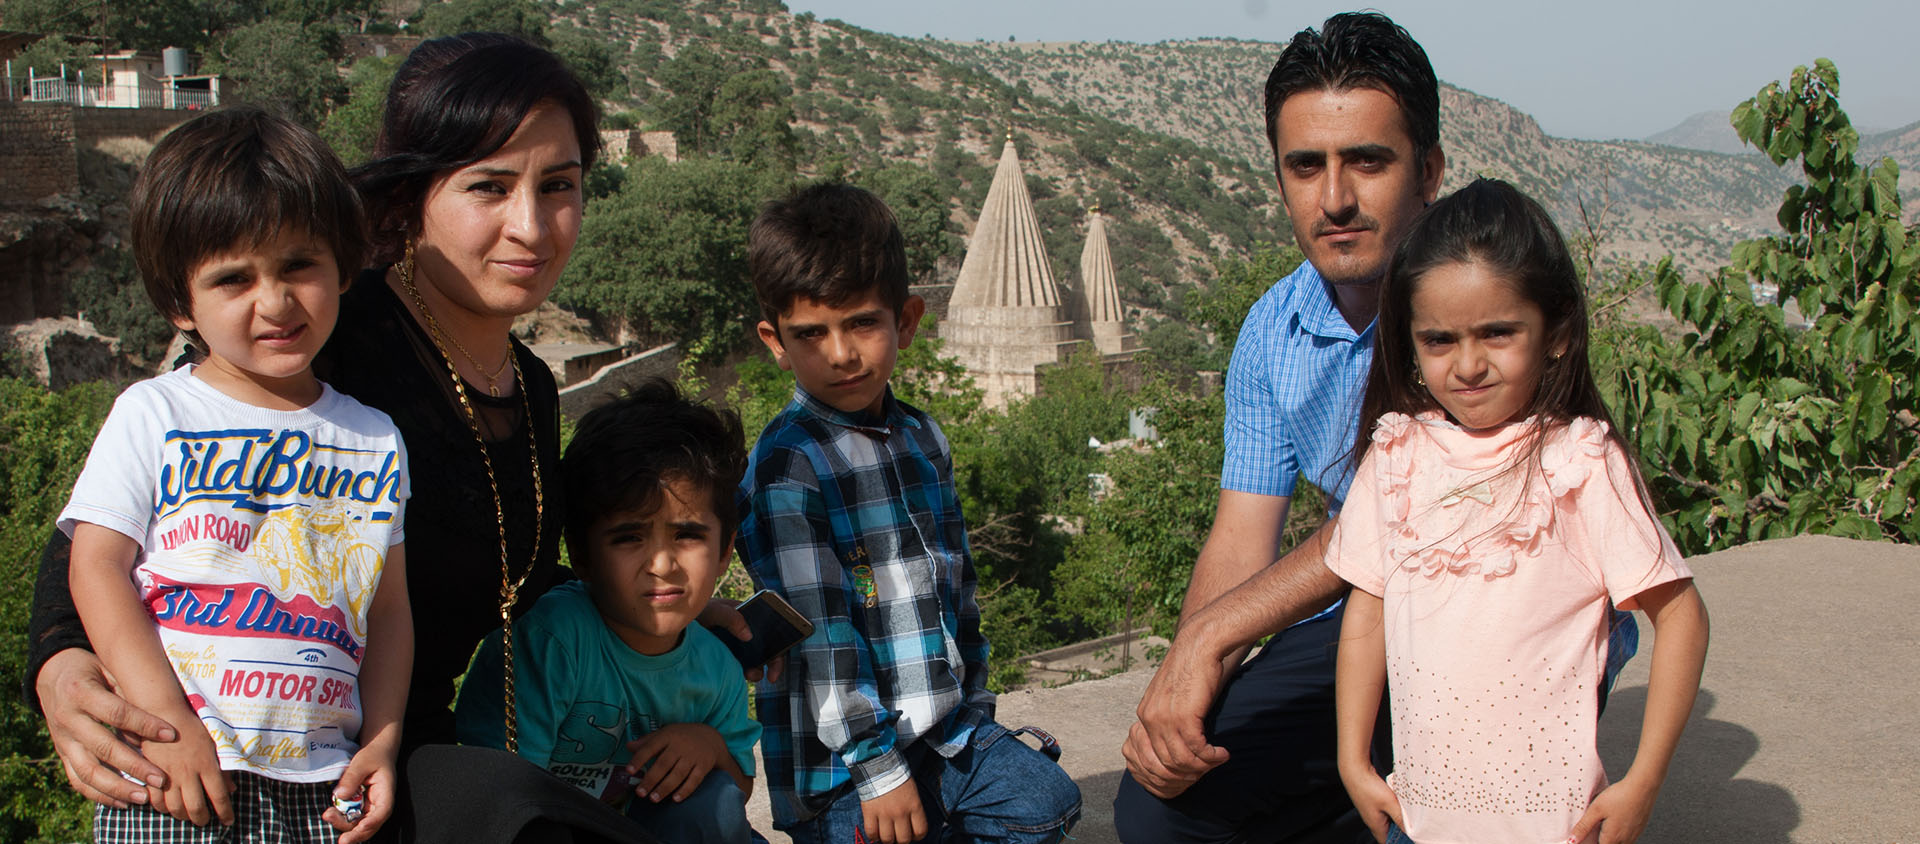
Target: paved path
{"x": 1807, "y": 728}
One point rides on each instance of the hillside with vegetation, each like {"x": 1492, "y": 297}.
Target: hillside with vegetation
{"x": 749, "y": 84}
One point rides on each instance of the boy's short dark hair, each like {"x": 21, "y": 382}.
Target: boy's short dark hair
{"x": 625, "y": 452}
{"x": 832, "y": 242}
{"x": 235, "y": 178}
{"x": 1359, "y": 50}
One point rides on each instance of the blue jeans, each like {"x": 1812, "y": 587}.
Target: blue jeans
{"x": 997, "y": 789}
{"x": 1396, "y": 835}
{"x": 715, "y": 813}
{"x": 1623, "y": 641}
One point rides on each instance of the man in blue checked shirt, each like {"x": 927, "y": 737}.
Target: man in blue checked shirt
{"x": 1353, "y": 114}
{"x": 881, "y": 729}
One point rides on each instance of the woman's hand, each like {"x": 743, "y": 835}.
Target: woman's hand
{"x": 724, "y": 614}
{"x": 83, "y": 714}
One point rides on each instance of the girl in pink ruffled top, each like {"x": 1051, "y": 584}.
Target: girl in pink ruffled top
{"x": 1494, "y": 519}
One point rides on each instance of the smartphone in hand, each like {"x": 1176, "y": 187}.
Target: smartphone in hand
{"x": 776, "y": 627}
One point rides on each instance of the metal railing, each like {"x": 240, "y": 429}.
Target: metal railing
{"x": 76, "y": 91}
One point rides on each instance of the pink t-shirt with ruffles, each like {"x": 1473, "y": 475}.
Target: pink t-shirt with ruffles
{"x": 1496, "y": 590}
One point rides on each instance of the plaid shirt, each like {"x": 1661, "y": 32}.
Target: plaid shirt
{"x": 1293, "y": 393}
{"x": 854, "y": 520}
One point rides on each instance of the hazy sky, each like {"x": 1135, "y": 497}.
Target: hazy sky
{"x": 1593, "y": 69}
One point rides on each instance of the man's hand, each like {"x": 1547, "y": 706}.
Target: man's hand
{"x": 895, "y": 817}
{"x": 83, "y": 712}
{"x": 1167, "y": 750}
{"x": 725, "y": 614}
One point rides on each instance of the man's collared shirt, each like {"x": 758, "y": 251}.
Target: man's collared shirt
{"x": 855, "y": 521}
{"x": 1294, "y": 386}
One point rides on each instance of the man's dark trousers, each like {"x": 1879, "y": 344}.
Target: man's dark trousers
{"x": 1280, "y": 782}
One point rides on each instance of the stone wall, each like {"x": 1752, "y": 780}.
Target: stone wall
{"x": 612, "y": 380}
{"x": 363, "y": 45}
{"x": 92, "y": 124}
{"x": 36, "y": 151}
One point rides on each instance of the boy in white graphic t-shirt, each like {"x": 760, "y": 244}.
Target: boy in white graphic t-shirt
{"x": 237, "y": 553}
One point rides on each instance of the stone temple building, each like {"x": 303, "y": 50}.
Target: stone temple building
{"x": 1007, "y": 318}
{"x": 1097, "y": 315}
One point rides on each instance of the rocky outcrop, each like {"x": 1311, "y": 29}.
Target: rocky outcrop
{"x": 62, "y": 351}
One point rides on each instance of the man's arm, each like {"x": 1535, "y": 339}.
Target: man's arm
{"x": 1244, "y": 540}
{"x": 1167, "y": 751}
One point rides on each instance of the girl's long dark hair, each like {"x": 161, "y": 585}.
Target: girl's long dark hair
{"x": 1493, "y": 224}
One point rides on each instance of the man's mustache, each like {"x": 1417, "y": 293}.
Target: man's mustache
{"x": 1357, "y": 222}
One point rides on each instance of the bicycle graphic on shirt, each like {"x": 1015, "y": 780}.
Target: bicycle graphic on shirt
{"x": 314, "y": 551}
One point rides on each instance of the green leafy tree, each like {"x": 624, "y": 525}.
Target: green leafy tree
{"x": 283, "y": 65}
{"x": 1754, "y": 427}
{"x": 667, "y": 253}
{"x": 587, "y": 54}
{"x": 47, "y": 56}
{"x": 753, "y": 122}
{"x": 1238, "y": 283}
{"x": 353, "y": 126}
{"x": 922, "y": 206}
{"x": 44, "y": 440}
{"x": 513, "y": 17}
{"x": 1130, "y": 566}
{"x": 692, "y": 80}
{"x": 110, "y": 295}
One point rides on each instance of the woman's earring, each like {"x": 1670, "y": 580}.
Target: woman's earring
{"x": 1419, "y": 377}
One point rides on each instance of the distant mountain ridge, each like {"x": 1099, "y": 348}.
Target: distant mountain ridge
{"x": 1708, "y": 131}
{"x": 1658, "y": 199}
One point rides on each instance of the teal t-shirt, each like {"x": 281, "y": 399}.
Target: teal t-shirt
{"x": 581, "y": 693}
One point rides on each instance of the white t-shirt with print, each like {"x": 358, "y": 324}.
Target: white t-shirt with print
{"x": 262, "y": 537}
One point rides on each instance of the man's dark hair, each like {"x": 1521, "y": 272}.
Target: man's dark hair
{"x": 625, "y": 453}
{"x": 832, "y": 242}
{"x": 1359, "y": 50}
{"x": 232, "y": 179}
{"x": 455, "y": 100}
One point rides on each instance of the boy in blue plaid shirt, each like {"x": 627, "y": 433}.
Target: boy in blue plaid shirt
{"x": 881, "y": 729}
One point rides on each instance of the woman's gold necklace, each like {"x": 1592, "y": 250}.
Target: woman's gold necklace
{"x": 493, "y": 380}
{"x": 509, "y": 587}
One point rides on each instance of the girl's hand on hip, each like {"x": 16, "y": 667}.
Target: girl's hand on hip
{"x": 1617, "y": 815}
{"x": 1374, "y": 800}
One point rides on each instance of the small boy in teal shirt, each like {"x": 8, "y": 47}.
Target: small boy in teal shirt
{"x": 617, "y": 690}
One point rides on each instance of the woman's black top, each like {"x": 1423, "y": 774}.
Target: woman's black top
{"x": 379, "y": 355}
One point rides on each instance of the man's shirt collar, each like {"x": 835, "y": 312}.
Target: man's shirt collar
{"x": 1319, "y": 313}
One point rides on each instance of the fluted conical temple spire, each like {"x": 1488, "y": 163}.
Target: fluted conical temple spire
{"x": 1006, "y": 318}
{"x": 1099, "y": 285}
{"x": 1006, "y": 263}
{"x": 1097, "y": 313}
